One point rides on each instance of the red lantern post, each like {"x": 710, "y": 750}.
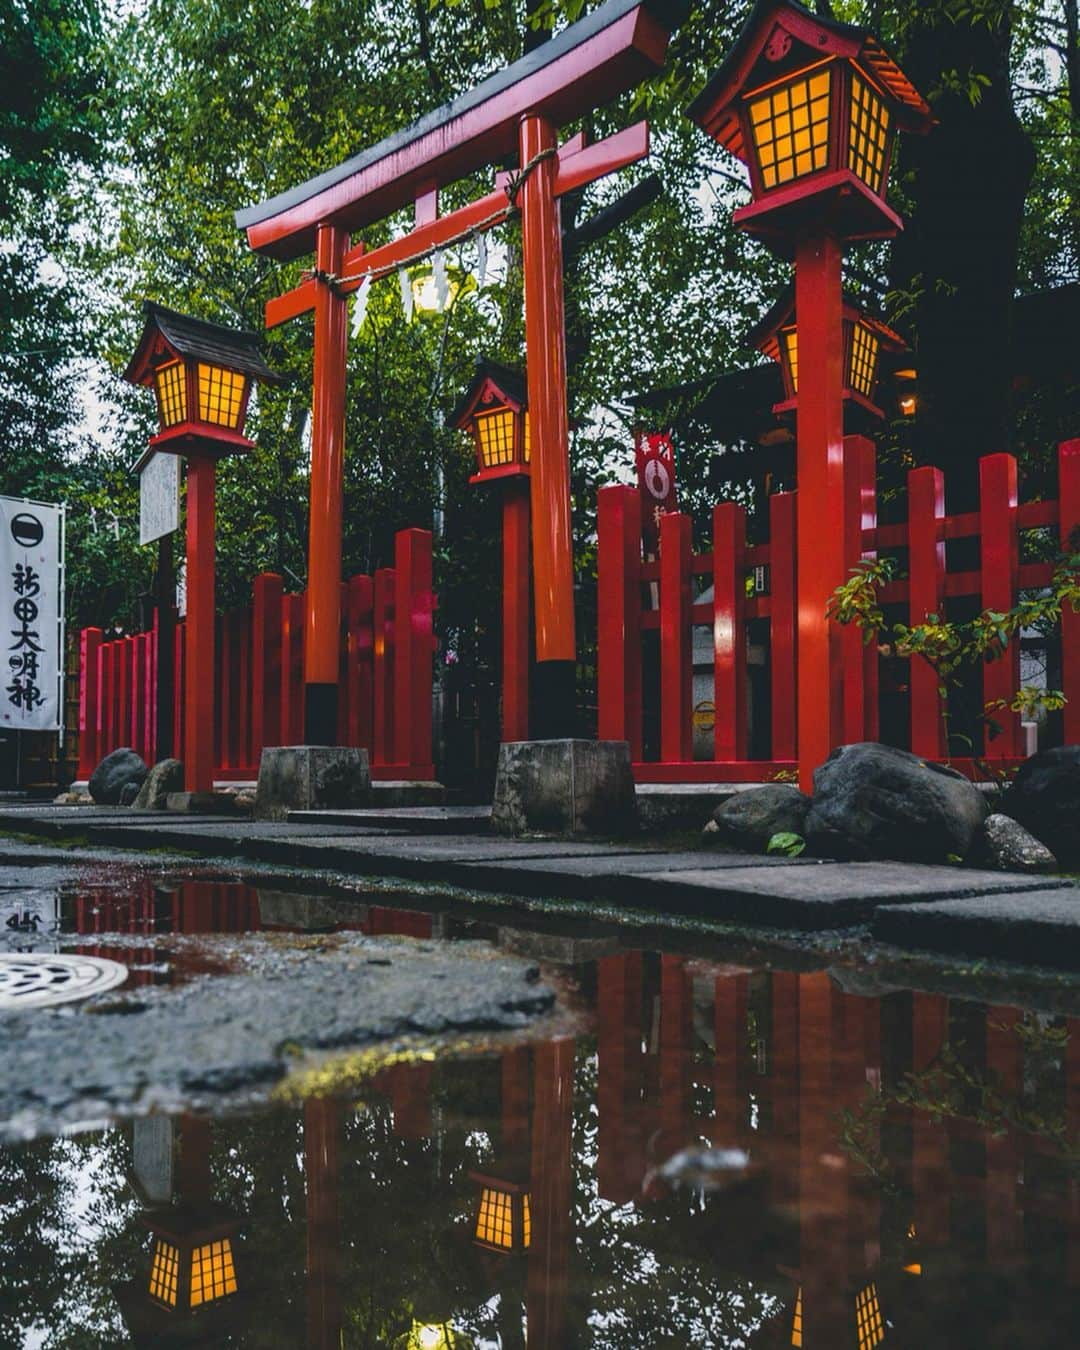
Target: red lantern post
{"x": 812, "y": 107}
{"x": 201, "y": 374}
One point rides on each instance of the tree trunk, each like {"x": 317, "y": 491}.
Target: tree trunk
{"x": 958, "y": 255}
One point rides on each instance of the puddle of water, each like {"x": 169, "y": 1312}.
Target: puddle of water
{"x": 896, "y": 1170}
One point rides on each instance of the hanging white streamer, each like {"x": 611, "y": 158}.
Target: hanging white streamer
{"x": 405, "y": 281}
{"x": 442, "y": 283}
{"x": 360, "y": 308}
{"x": 481, "y": 260}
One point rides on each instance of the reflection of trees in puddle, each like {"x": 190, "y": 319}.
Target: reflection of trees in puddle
{"x": 905, "y": 1178}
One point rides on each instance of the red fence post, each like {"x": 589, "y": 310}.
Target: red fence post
{"x": 729, "y": 631}
{"x": 179, "y": 685}
{"x": 1000, "y": 550}
{"x": 382, "y": 741}
{"x": 782, "y": 656}
{"x": 89, "y": 696}
{"x": 413, "y": 652}
{"x": 860, "y": 719}
{"x": 226, "y": 682}
{"x": 515, "y": 610}
{"x": 266, "y": 607}
{"x": 1069, "y": 525}
{"x": 676, "y": 731}
{"x": 360, "y": 688}
{"x": 618, "y": 585}
{"x": 926, "y": 567}
{"x": 123, "y": 698}
{"x": 140, "y": 707}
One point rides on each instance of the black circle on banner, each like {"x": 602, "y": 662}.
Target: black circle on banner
{"x": 27, "y": 530}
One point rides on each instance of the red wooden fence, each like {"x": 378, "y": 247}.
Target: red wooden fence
{"x": 385, "y": 679}
{"x": 626, "y": 581}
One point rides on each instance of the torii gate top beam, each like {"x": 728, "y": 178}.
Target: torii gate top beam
{"x": 584, "y": 66}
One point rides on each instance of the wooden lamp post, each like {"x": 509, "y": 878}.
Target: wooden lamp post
{"x": 201, "y": 374}
{"x": 494, "y": 410}
{"x": 865, "y": 339}
{"x": 812, "y": 107}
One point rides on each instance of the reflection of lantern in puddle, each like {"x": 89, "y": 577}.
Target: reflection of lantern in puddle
{"x": 192, "y": 1263}
{"x": 869, "y": 1325}
{"x": 191, "y": 1276}
{"x": 503, "y": 1220}
{"x": 436, "y": 1336}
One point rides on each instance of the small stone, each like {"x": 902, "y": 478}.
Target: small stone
{"x": 1011, "y": 848}
{"x": 113, "y": 773}
{"x": 874, "y": 801}
{"x": 1045, "y": 799}
{"x": 128, "y": 794}
{"x": 750, "y": 819}
{"x": 166, "y": 776}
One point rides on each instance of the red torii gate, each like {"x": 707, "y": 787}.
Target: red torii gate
{"x": 517, "y": 109}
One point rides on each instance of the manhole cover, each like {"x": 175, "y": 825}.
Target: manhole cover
{"x": 40, "y": 979}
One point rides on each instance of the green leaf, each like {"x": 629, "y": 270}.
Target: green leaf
{"x": 787, "y": 843}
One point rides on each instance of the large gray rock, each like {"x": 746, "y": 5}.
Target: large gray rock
{"x": 1045, "y": 799}
{"x": 1011, "y": 848}
{"x": 750, "y": 819}
{"x": 565, "y": 787}
{"x": 873, "y": 801}
{"x": 113, "y": 774}
{"x": 309, "y": 777}
{"x": 166, "y": 776}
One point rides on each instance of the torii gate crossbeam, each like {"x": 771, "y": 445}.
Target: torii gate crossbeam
{"x": 517, "y": 109}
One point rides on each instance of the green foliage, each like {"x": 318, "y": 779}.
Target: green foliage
{"x": 787, "y": 843}
{"x": 952, "y": 648}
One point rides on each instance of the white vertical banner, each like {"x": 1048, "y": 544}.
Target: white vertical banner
{"x": 31, "y": 615}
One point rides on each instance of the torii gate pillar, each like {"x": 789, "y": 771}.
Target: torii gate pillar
{"x": 323, "y": 614}
{"x": 545, "y": 348}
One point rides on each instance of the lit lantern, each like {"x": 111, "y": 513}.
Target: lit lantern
{"x": 811, "y": 106}
{"x": 865, "y": 1331}
{"x": 201, "y": 374}
{"x": 865, "y": 340}
{"x": 436, "y": 1336}
{"x": 906, "y": 399}
{"x": 503, "y": 1219}
{"x": 494, "y": 411}
{"x": 192, "y": 1262}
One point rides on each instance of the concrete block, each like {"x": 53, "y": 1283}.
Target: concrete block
{"x": 565, "y": 787}
{"x": 306, "y": 777}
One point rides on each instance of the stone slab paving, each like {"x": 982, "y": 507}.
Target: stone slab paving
{"x": 1041, "y": 927}
{"x": 801, "y": 894}
{"x": 610, "y": 875}
{"x": 828, "y": 895}
{"x": 415, "y": 819}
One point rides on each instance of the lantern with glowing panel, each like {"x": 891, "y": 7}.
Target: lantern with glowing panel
{"x": 201, "y": 374}
{"x": 503, "y": 1219}
{"x": 494, "y": 411}
{"x": 812, "y": 107}
{"x": 865, "y": 340}
{"x": 866, "y": 1330}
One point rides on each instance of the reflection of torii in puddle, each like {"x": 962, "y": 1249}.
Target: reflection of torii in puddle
{"x": 517, "y": 109}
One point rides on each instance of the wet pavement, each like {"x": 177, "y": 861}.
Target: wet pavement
{"x": 728, "y": 1143}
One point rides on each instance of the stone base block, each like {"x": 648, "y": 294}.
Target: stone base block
{"x": 565, "y": 787}
{"x": 309, "y": 778}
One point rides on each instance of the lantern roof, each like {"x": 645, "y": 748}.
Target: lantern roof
{"x": 763, "y": 335}
{"x": 168, "y": 331}
{"x": 491, "y": 382}
{"x": 781, "y": 36}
